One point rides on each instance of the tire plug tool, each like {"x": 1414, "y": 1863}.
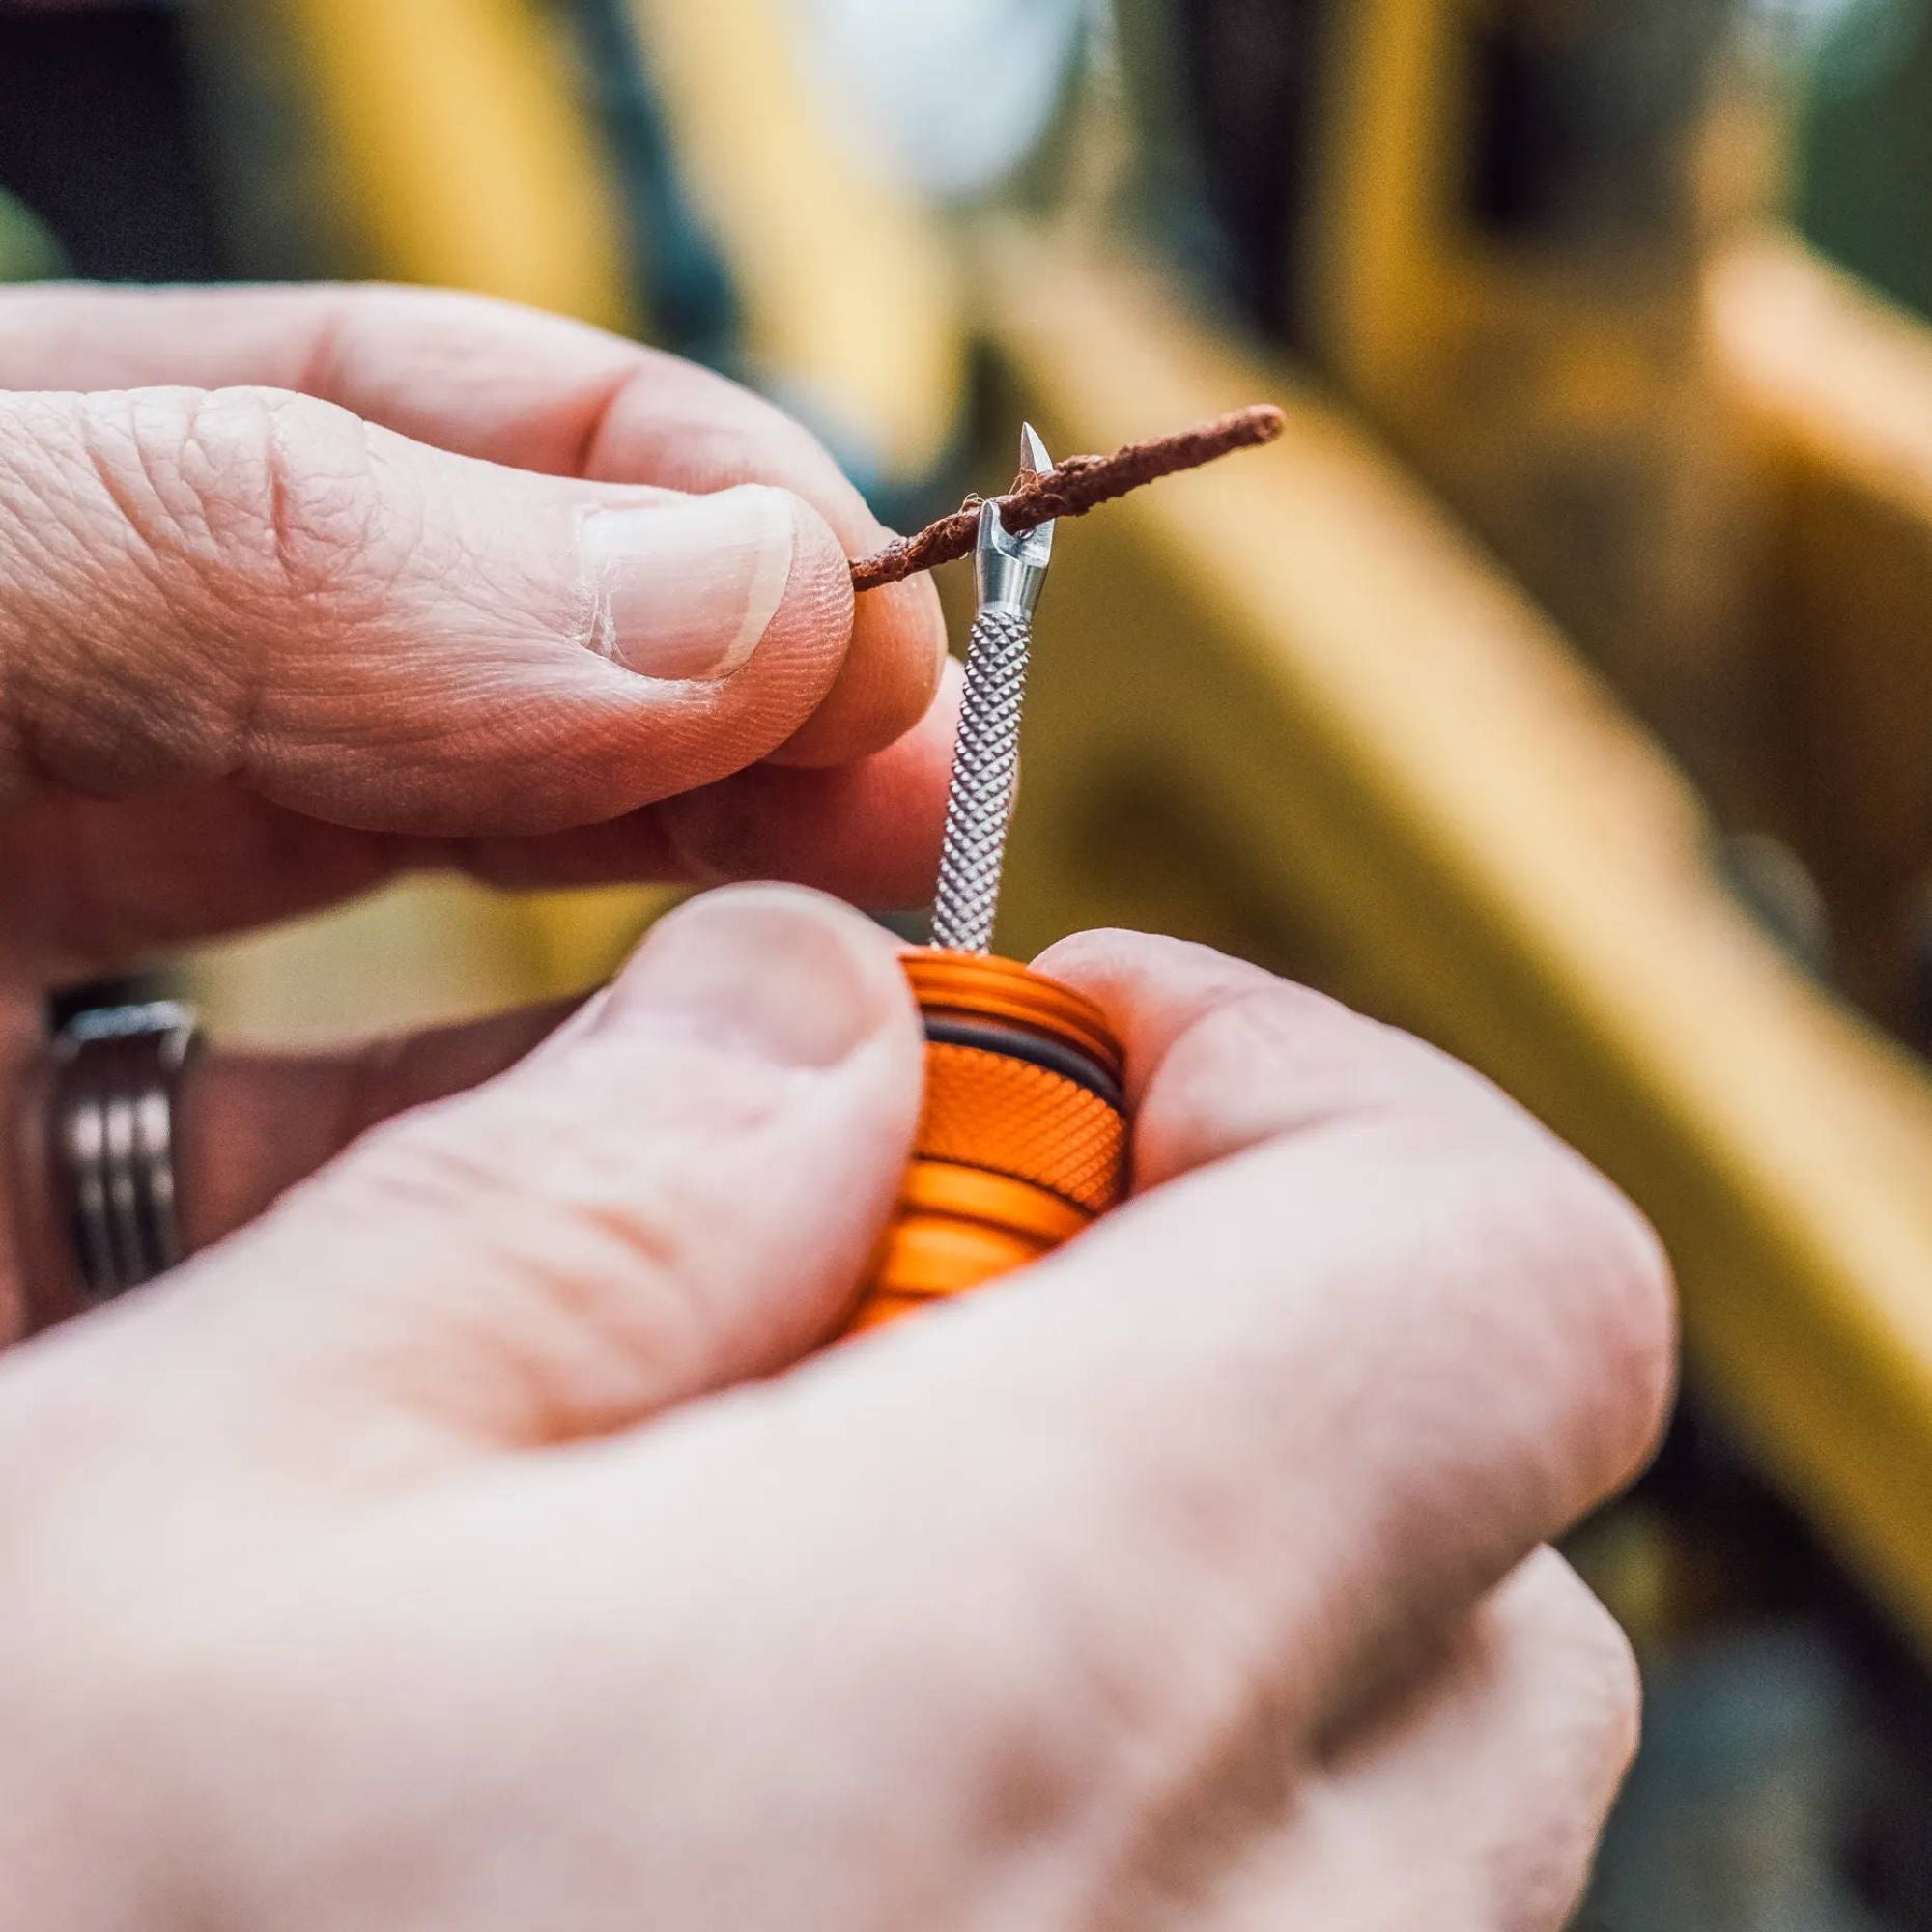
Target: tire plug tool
{"x": 1023, "y": 1138}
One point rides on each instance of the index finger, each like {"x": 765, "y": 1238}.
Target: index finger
{"x": 505, "y": 384}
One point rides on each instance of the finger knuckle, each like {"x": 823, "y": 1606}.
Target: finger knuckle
{"x": 1267, "y": 1033}
{"x": 1587, "y": 1695}
{"x": 204, "y": 517}
{"x": 1024, "y": 1753}
{"x": 260, "y": 494}
{"x": 1611, "y": 1282}
{"x": 287, "y": 486}
{"x": 535, "y": 1176}
{"x": 1273, "y": 1059}
{"x": 1590, "y": 1318}
{"x": 1484, "y": 1190}
{"x": 1595, "y": 1673}
{"x": 609, "y": 1237}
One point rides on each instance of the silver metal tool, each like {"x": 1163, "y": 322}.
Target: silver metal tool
{"x": 1008, "y": 573}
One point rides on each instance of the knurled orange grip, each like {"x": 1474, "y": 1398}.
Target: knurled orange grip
{"x": 1023, "y": 1137}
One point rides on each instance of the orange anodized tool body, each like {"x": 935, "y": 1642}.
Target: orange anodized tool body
{"x": 1023, "y": 1137}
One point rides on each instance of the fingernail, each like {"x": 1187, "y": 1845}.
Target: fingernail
{"x": 685, "y": 587}
{"x": 765, "y": 969}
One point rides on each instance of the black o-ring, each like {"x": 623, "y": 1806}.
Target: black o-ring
{"x": 1017, "y": 1043}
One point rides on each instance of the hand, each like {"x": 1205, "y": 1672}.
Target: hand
{"x": 423, "y": 591}
{"x": 431, "y": 1554}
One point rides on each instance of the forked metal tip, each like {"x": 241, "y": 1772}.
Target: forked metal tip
{"x": 1010, "y": 568}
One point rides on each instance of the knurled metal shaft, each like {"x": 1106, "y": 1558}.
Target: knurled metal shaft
{"x": 985, "y": 768}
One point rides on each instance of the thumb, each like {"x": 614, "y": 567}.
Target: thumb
{"x": 678, "y": 1190}
{"x": 202, "y": 584}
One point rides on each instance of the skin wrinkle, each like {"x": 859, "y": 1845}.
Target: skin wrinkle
{"x": 635, "y": 1239}
{"x": 45, "y": 506}
{"x": 788, "y": 689}
{"x": 23, "y": 754}
{"x": 150, "y": 513}
{"x": 357, "y": 568}
{"x": 1410, "y": 1516}
{"x": 1378, "y": 1719}
{"x": 660, "y": 1339}
{"x": 1257, "y": 1008}
{"x": 1233, "y": 1758}
{"x": 1193, "y": 1855}
{"x": 713, "y": 452}
{"x": 1538, "y": 1688}
{"x": 316, "y": 373}
{"x": 94, "y": 431}
{"x": 63, "y": 718}
{"x": 427, "y": 1163}
{"x": 585, "y": 441}
{"x": 1136, "y": 1720}
{"x": 24, "y": 528}
{"x": 1243, "y": 1795}
{"x": 202, "y": 513}
{"x": 282, "y": 526}
{"x": 250, "y": 706}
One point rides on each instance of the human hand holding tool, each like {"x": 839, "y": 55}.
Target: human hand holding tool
{"x": 468, "y": 1535}
{"x": 473, "y": 1541}
{"x": 301, "y": 588}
